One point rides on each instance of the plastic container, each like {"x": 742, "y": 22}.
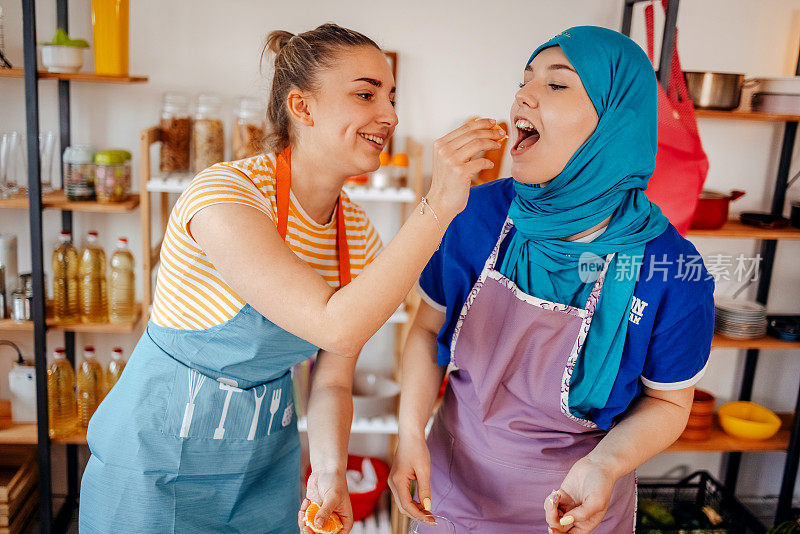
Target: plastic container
{"x": 114, "y": 369}
{"x": 61, "y": 406}
{"x": 113, "y": 175}
{"x": 22, "y": 385}
{"x": 110, "y": 31}
{"x": 748, "y": 420}
{"x": 65, "y": 280}
{"x": 122, "y": 285}
{"x": 79, "y": 172}
{"x": 382, "y": 177}
{"x": 92, "y": 282}
{"x": 208, "y": 133}
{"x": 249, "y": 128}
{"x": 176, "y": 133}
{"x": 400, "y": 170}
{"x": 90, "y": 386}
{"x": 687, "y": 497}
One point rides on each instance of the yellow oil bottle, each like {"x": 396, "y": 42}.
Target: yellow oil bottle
{"x": 92, "y": 281}
{"x": 61, "y": 395}
{"x": 65, "y": 280}
{"x": 122, "y": 285}
{"x": 89, "y": 386}
{"x": 115, "y": 367}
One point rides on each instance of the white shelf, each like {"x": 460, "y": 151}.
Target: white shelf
{"x": 375, "y": 425}
{"x": 178, "y": 182}
{"x": 371, "y": 194}
{"x": 169, "y": 183}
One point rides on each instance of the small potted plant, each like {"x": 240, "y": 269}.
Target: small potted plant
{"x": 63, "y": 54}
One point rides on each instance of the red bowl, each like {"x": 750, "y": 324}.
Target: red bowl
{"x": 364, "y": 503}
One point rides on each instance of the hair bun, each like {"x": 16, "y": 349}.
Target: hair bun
{"x": 277, "y": 39}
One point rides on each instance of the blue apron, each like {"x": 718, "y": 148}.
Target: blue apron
{"x": 200, "y": 434}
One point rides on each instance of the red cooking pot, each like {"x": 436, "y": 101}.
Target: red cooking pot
{"x": 712, "y": 209}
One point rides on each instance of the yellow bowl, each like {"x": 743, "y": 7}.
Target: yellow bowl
{"x": 748, "y": 420}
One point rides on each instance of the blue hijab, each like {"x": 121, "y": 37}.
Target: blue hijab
{"x": 606, "y": 176}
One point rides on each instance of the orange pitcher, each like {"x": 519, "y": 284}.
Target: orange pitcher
{"x": 110, "y": 28}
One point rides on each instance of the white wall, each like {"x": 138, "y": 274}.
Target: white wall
{"x": 456, "y": 58}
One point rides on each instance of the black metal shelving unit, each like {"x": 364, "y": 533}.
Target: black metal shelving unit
{"x": 768, "y": 249}
{"x": 49, "y": 521}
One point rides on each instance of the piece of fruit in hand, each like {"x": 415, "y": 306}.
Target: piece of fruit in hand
{"x": 331, "y": 526}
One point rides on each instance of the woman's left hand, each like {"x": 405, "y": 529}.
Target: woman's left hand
{"x": 582, "y": 501}
{"x": 329, "y": 490}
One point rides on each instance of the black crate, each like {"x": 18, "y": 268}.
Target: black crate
{"x": 695, "y": 491}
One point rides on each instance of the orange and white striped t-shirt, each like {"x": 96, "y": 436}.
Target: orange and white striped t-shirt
{"x": 191, "y": 295}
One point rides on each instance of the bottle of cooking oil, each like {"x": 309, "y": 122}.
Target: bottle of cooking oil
{"x": 90, "y": 386}
{"x": 65, "y": 280}
{"x": 115, "y": 367}
{"x": 92, "y": 280}
{"x": 61, "y": 395}
{"x": 121, "y": 295}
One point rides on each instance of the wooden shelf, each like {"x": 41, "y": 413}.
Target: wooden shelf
{"x": 25, "y": 434}
{"x": 75, "y": 76}
{"x": 767, "y": 342}
{"x": 722, "y": 442}
{"x": 58, "y": 200}
{"x": 98, "y": 328}
{"x": 735, "y": 229}
{"x": 745, "y": 116}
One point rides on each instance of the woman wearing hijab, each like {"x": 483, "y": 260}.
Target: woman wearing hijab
{"x": 575, "y": 319}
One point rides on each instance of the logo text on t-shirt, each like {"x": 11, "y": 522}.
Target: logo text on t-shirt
{"x": 637, "y": 310}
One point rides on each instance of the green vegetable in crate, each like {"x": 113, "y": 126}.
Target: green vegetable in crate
{"x": 787, "y": 527}
{"x": 655, "y": 514}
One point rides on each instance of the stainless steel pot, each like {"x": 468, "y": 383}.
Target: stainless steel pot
{"x": 715, "y": 90}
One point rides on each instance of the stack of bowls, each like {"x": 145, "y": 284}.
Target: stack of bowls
{"x": 701, "y": 417}
{"x": 740, "y": 319}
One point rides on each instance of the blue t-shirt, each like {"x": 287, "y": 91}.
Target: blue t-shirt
{"x": 671, "y": 321}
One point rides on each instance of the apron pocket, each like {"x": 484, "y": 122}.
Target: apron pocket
{"x": 206, "y": 409}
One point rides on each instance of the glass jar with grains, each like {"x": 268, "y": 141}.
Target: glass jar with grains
{"x": 175, "y": 133}
{"x": 249, "y": 128}
{"x": 208, "y": 134}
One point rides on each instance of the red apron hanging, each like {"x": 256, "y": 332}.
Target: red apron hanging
{"x": 681, "y": 163}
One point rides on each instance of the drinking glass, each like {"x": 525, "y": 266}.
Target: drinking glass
{"x": 47, "y": 145}
{"x": 12, "y": 164}
{"x": 442, "y": 526}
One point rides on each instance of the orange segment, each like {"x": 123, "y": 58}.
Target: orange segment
{"x": 331, "y": 526}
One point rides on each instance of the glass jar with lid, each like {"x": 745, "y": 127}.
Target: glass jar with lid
{"x": 113, "y": 175}
{"x": 79, "y": 178}
{"x": 176, "y": 132}
{"x": 208, "y": 133}
{"x": 249, "y": 128}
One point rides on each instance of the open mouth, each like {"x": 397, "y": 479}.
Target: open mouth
{"x": 527, "y": 136}
{"x": 375, "y": 140}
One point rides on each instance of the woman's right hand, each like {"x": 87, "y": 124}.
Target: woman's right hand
{"x": 454, "y": 166}
{"x": 412, "y": 461}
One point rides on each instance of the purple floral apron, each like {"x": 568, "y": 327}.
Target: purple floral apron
{"x": 504, "y": 437}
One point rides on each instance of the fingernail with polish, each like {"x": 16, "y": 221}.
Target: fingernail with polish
{"x": 567, "y": 520}
{"x": 426, "y": 503}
